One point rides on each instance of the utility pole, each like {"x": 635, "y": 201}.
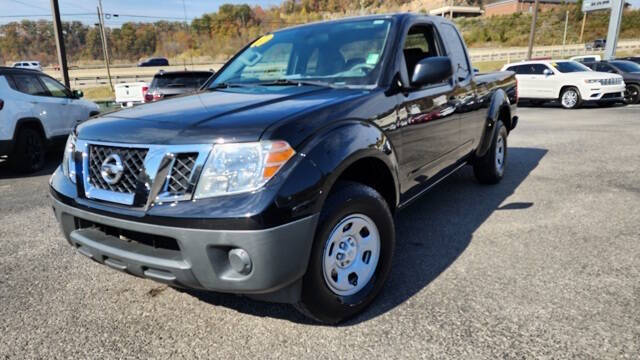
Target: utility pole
{"x": 532, "y": 32}
{"x": 584, "y": 21}
{"x": 62, "y": 54}
{"x": 617, "y": 7}
{"x": 566, "y": 23}
{"x": 103, "y": 36}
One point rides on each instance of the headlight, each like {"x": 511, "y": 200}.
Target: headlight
{"x": 241, "y": 167}
{"x": 68, "y": 164}
{"x": 592, "y": 81}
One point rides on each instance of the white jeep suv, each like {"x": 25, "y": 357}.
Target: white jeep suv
{"x": 567, "y": 81}
{"x": 36, "y": 111}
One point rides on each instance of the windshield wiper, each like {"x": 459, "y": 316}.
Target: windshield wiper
{"x": 291, "y": 82}
{"x": 225, "y": 85}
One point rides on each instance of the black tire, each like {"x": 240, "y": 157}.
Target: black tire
{"x": 632, "y": 94}
{"x": 29, "y": 153}
{"x": 318, "y": 301}
{"x": 487, "y": 169}
{"x": 571, "y": 105}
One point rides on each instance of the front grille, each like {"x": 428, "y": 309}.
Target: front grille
{"x": 132, "y": 161}
{"x": 611, "y": 81}
{"x": 180, "y": 178}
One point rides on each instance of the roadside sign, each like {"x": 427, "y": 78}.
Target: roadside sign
{"x": 593, "y": 5}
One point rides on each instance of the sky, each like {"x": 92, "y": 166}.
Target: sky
{"x": 154, "y": 10}
{"x": 144, "y": 10}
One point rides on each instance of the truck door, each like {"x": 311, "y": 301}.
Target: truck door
{"x": 428, "y": 121}
{"x": 464, "y": 96}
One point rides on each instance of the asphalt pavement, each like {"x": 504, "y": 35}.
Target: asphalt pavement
{"x": 544, "y": 265}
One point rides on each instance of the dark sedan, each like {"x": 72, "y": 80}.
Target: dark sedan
{"x": 154, "y": 61}
{"x": 630, "y": 72}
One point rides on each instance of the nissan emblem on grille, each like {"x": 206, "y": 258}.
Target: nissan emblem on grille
{"x": 112, "y": 169}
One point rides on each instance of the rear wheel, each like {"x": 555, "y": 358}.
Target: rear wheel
{"x": 632, "y": 94}
{"x": 29, "y": 153}
{"x": 570, "y": 98}
{"x": 351, "y": 254}
{"x": 489, "y": 169}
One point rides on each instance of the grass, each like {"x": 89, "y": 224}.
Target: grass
{"x": 488, "y": 66}
{"x": 98, "y": 93}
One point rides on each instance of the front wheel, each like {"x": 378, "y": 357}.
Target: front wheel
{"x": 570, "y": 98}
{"x": 351, "y": 254}
{"x": 632, "y": 94}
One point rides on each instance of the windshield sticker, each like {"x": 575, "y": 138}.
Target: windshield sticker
{"x": 372, "y": 58}
{"x": 263, "y": 40}
{"x": 555, "y": 65}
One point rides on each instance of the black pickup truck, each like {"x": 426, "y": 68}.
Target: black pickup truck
{"x": 280, "y": 178}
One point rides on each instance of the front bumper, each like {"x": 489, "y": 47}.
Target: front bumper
{"x": 605, "y": 93}
{"x": 192, "y": 258}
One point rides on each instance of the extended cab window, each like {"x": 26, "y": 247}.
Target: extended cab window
{"x": 458, "y": 55}
{"x": 28, "y": 84}
{"x": 421, "y": 42}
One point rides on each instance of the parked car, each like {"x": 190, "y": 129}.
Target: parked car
{"x": 630, "y": 73}
{"x": 36, "y": 111}
{"x": 569, "y": 82}
{"x": 596, "y": 44}
{"x": 586, "y": 58}
{"x": 129, "y": 94}
{"x": 279, "y": 180}
{"x": 167, "y": 84}
{"x": 635, "y": 59}
{"x": 30, "y": 64}
{"x": 154, "y": 61}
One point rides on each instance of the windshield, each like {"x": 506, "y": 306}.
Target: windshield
{"x": 569, "y": 66}
{"x": 347, "y": 53}
{"x": 626, "y": 66}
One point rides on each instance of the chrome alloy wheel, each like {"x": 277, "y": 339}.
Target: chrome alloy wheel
{"x": 351, "y": 254}
{"x": 569, "y": 98}
{"x": 500, "y": 154}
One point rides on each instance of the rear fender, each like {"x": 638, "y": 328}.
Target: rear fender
{"x": 499, "y": 103}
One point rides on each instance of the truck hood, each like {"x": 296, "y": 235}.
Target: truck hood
{"x": 236, "y": 114}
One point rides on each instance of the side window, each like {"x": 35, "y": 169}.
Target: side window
{"x": 604, "y": 68}
{"x": 420, "y": 43}
{"x": 456, "y": 51}
{"x": 12, "y": 84}
{"x": 55, "y": 88}
{"x": 538, "y": 69}
{"x": 28, "y": 84}
{"x": 515, "y": 69}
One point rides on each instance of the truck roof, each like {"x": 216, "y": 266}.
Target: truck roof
{"x": 397, "y": 16}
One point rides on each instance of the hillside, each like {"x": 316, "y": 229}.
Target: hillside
{"x": 218, "y": 35}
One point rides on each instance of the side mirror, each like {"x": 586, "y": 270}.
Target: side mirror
{"x": 77, "y": 94}
{"x": 431, "y": 70}
{"x": 547, "y": 72}
{"x": 476, "y": 70}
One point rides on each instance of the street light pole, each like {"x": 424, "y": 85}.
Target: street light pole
{"x": 103, "y": 36}
{"x": 532, "y": 32}
{"x": 62, "y": 54}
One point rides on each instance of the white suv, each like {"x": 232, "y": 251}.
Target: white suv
{"x": 33, "y": 65}
{"x": 36, "y": 111}
{"x": 567, "y": 81}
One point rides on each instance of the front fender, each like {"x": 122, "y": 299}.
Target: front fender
{"x": 499, "y": 103}
{"x": 333, "y": 150}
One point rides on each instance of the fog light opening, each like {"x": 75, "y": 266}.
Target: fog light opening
{"x": 240, "y": 261}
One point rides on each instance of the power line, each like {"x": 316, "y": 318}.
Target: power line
{"x": 30, "y": 5}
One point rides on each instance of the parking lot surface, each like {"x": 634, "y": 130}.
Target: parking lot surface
{"x": 544, "y": 265}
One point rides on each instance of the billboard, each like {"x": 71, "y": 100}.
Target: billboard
{"x": 593, "y": 5}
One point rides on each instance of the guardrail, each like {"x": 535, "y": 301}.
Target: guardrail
{"x": 476, "y": 54}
